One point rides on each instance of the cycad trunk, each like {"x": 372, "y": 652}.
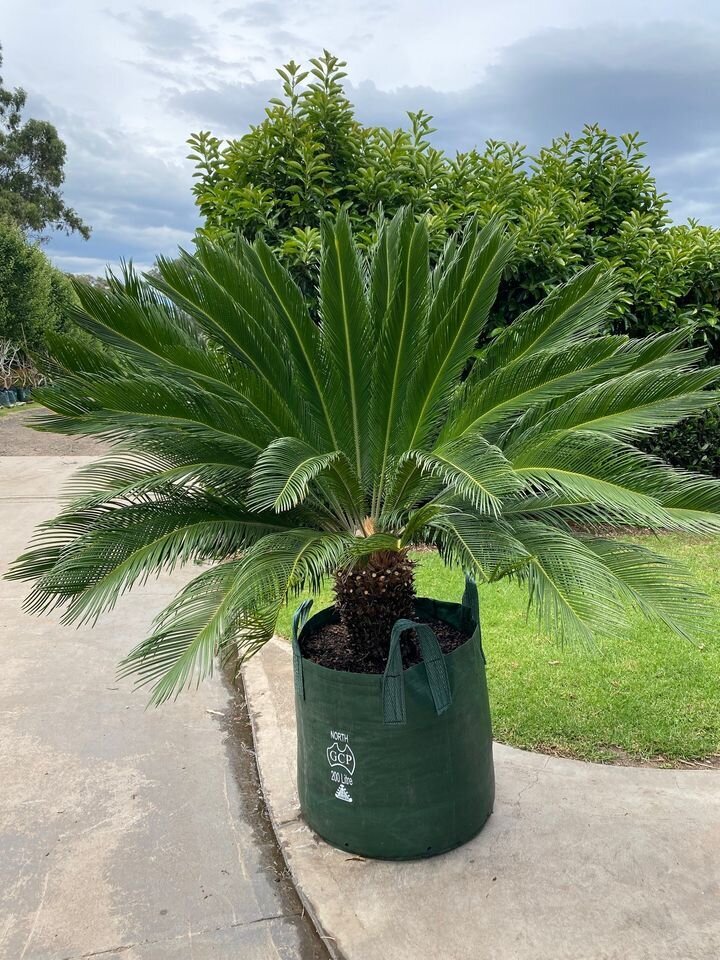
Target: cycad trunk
{"x": 370, "y": 597}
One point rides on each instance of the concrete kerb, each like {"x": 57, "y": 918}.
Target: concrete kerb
{"x": 579, "y": 861}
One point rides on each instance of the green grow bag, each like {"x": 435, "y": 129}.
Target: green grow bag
{"x": 399, "y": 765}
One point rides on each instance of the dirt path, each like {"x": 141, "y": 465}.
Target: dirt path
{"x": 17, "y": 439}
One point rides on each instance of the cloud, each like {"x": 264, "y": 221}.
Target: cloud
{"x": 662, "y": 79}
{"x": 137, "y": 201}
{"x": 126, "y": 172}
{"x": 259, "y": 13}
{"x": 167, "y": 36}
{"x": 229, "y": 107}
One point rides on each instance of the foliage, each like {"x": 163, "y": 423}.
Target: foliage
{"x": 93, "y": 280}
{"x": 579, "y": 201}
{"x": 284, "y": 451}
{"x": 35, "y": 298}
{"x": 693, "y": 443}
{"x": 32, "y": 160}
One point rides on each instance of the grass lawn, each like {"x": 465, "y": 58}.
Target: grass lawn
{"x": 8, "y": 411}
{"x": 644, "y": 696}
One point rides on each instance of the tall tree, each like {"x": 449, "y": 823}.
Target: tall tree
{"x": 35, "y": 298}
{"x": 32, "y": 162}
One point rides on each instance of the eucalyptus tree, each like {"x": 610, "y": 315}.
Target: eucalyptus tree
{"x": 32, "y": 170}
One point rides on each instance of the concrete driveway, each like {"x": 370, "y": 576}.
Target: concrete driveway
{"x": 123, "y": 832}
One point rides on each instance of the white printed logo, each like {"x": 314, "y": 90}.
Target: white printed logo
{"x": 341, "y": 757}
{"x": 342, "y": 764}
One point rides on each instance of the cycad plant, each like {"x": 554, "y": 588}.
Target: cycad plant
{"x": 279, "y": 449}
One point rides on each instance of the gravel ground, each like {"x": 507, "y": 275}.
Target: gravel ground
{"x": 18, "y": 440}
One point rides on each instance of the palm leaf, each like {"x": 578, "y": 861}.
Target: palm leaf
{"x": 236, "y": 603}
{"x": 472, "y": 470}
{"x": 457, "y": 315}
{"x": 399, "y": 328}
{"x": 345, "y": 326}
{"x": 635, "y": 404}
{"x": 571, "y": 590}
{"x": 283, "y": 441}
{"x": 283, "y": 473}
{"x": 571, "y": 313}
{"x": 659, "y": 588}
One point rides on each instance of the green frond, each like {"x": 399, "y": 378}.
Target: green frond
{"x": 482, "y": 546}
{"x": 68, "y": 352}
{"x": 569, "y": 511}
{"x": 471, "y": 469}
{"x": 283, "y": 473}
{"x": 121, "y": 408}
{"x": 398, "y": 331}
{"x": 231, "y": 307}
{"x": 88, "y": 556}
{"x": 344, "y": 332}
{"x": 242, "y": 321}
{"x": 197, "y": 626}
{"x": 131, "y": 477}
{"x": 571, "y": 313}
{"x": 661, "y": 351}
{"x": 302, "y": 335}
{"x": 414, "y": 523}
{"x": 283, "y": 444}
{"x": 362, "y": 547}
{"x": 236, "y": 604}
{"x": 490, "y": 404}
{"x": 572, "y": 592}
{"x": 457, "y": 314}
{"x": 691, "y": 499}
{"x": 635, "y": 404}
{"x": 659, "y": 588}
{"x": 597, "y": 470}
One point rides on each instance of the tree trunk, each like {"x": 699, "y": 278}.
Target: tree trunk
{"x": 370, "y": 597}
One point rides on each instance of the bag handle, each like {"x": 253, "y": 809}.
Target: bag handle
{"x": 393, "y": 685}
{"x": 471, "y": 602}
{"x": 298, "y": 622}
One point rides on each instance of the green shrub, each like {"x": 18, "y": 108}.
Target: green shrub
{"x": 693, "y": 444}
{"x": 34, "y": 296}
{"x": 580, "y": 200}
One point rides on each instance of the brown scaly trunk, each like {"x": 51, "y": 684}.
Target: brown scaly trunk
{"x": 370, "y": 597}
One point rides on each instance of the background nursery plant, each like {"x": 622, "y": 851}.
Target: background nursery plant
{"x": 282, "y": 452}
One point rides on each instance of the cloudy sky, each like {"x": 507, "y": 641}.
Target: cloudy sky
{"x": 127, "y": 83}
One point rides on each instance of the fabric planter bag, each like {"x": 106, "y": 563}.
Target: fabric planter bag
{"x": 399, "y": 765}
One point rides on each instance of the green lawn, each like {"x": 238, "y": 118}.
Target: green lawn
{"x": 7, "y": 411}
{"x": 647, "y": 695}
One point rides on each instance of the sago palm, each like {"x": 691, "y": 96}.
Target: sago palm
{"x": 281, "y": 449}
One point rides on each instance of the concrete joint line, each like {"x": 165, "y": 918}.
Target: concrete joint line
{"x": 122, "y": 948}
